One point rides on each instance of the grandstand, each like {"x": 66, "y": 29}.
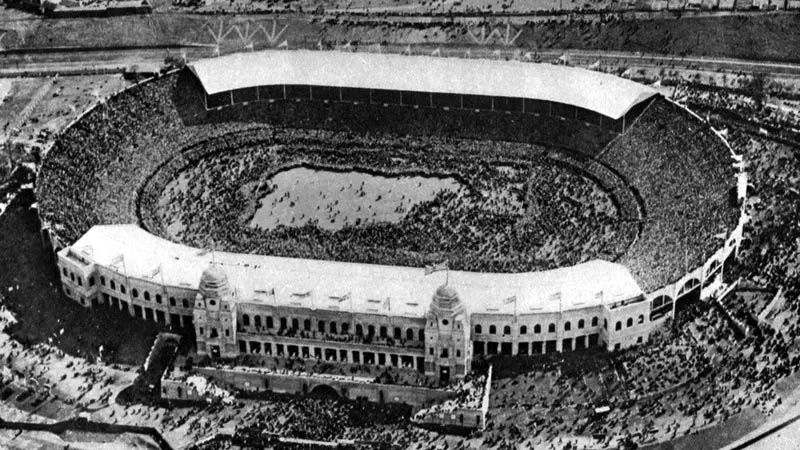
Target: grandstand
{"x": 479, "y": 99}
{"x": 668, "y": 174}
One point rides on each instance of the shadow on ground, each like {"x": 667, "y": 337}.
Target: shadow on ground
{"x": 29, "y": 287}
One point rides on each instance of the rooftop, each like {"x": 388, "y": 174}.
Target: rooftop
{"x": 363, "y": 288}
{"x": 605, "y": 94}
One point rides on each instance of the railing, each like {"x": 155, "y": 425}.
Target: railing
{"x": 321, "y": 336}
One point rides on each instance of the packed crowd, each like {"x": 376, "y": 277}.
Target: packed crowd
{"x": 685, "y": 175}
{"x": 696, "y": 374}
{"x": 693, "y": 376}
{"x": 469, "y": 394}
{"x": 756, "y": 103}
{"x": 87, "y": 177}
{"x": 522, "y": 211}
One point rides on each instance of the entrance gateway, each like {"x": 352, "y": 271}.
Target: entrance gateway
{"x": 444, "y": 375}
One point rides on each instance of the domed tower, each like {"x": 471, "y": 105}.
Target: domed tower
{"x": 447, "y": 354}
{"x": 215, "y": 314}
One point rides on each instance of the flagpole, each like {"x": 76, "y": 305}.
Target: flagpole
{"x": 515, "y": 309}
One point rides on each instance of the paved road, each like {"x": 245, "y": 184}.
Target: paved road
{"x": 75, "y": 59}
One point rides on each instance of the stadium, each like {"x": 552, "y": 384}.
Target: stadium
{"x": 543, "y": 209}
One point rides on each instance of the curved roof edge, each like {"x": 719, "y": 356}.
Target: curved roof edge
{"x": 602, "y": 93}
{"x": 365, "y": 288}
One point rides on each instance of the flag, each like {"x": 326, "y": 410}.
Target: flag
{"x": 341, "y": 299}
{"x": 155, "y": 272}
{"x": 436, "y": 268}
{"x": 512, "y": 299}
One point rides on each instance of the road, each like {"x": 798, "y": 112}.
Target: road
{"x": 69, "y": 60}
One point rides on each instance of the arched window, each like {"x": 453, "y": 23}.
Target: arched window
{"x": 567, "y": 326}
{"x": 321, "y": 326}
{"x": 409, "y": 334}
{"x": 270, "y": 323}
{"x": 551, "y": 328}
{"x": 581, "y": 324}
{"x": 618, "y": 326}
{"x": 478, "y": 329}
{"x": 172, "y": 301}
{"x": 523, "y": 330}
{"x": 537, "y": 329}
{"x": 295, "y": 324}
{"x": 594, "y": 321}
{"x": 630, "y": 322}
{"x": 122, "y": 288}
{"x": 422, "y": 335}
{"x": 307, "y": 324}
{"x": 113, "y": 284}
{"x": 283, "y": 323}
{"x": 492, "y": 329}
{"x": 185, "y": 303}
{"x": 333, "y": 328}
{"x": 147, "y": 296}
{"x": 383, "y": 332}
{"x": 398, "y": 333}
{"x": 370, "y": 330}
{"x": 506, "y": 330}
{"x": 158, "y": 298}
{"x": 257, "y": 321}
{"x": 359, "y": 330}
{"x": 102, "y": 280}
{"x": 641, "y": 318}
{"x": 245, "y": 320}
{"x": 135, "y": 293}
{"x": 345, "y": 327}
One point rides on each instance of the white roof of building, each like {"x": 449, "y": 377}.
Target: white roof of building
{"x": 323, "y": 284}
{"x": 606, "y": 94}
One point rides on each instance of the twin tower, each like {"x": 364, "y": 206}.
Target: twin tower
{"x": 446, "y": 348}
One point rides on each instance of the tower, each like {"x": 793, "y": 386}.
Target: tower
{"x": 447, "y": 355}
{"x": 215, "y": 314}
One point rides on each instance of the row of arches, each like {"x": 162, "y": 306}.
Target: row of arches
{"x": 333, "y": 327}
{"x": 629, "y": 322}
{"x": 537, "y": 328}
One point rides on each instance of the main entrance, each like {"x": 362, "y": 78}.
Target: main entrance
{"x": 444, "y": 375}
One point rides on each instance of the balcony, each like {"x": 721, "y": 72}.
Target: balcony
{"x": 331, "y": 338}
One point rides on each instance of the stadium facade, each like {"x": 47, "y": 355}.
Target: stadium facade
{"x": 434, "y": 321}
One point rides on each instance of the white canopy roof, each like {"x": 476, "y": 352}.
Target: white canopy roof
{"x": 363, "y": 288}
{"x": 605, "y": 94}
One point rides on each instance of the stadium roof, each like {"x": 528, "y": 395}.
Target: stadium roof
{"x": 364, "y": 288}
{"x": 605, "y": 94}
